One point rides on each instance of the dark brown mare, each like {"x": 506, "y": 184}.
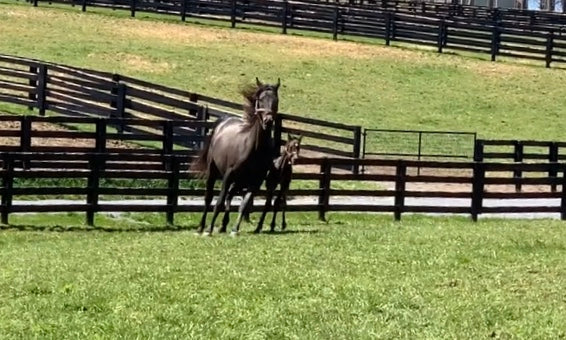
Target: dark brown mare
{"x": 280, "y": 175}
{"x": 239, "y": 151}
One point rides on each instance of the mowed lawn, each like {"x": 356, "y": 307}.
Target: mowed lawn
{"x": 351, "y": 82}
{"x": 355, "y": 277}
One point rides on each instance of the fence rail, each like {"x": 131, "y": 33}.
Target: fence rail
{"x": 93, "y": 170}
{"x": 495, "y": 32}
{"x": 77, "y": 92}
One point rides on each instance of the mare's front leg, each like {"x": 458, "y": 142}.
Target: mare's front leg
{"x": 226, "y": 182}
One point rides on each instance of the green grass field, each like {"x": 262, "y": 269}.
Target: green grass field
{"x": 351, "y": 82}
{"x": 359, "y": 276}
{"x": 356, "y": 277}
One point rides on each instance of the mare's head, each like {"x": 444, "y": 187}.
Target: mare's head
{"x": 292, "y": 148}
{"x": 262, "y": 103}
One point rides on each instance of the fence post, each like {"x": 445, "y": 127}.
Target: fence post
{"x": 478, "y": 150}
{"x": 184, "y": 10}
{"x": 335, "y": 23}
{"x": 119, "y": 90}
{"x": 324, "y": 187}
{"x": 84, "y": 6}
{"x": 193, "y": 98}
{"x": 7, "y": 185}
{"x": 33, "y": 84}
{"x": 549, "y": 47}
{"x": 202, "y": 115}
{"x": 233, "y": 13}
{"x": 133, "y": 8}
{"x": 92, "y": 187}
{"x": 277, "y": 132}
{"x": 42, "y": 89}
{"x": 518, "y": 157}
{"x": 495, "y": 36}
{"x": 563, "y": 198}
{"x": 478, "y": 181}
{"x": 167, "y": 145}
{"x": 100, "y": 144}
{"x": 34, "y": 3}
{"x": 388, "y": 21}
{"x": 553, "y": 159}
{"x": 25, "y": 138}
{"x": 284, "y": 19}
{"x": 357, "y": 148}
{"x": 441, "y": 30}
{"x": 400, "y": 180}
{"x": 173, "y": 189}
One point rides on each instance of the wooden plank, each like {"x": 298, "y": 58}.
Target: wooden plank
{"x": 162, "y": 99}
{"x": 318, "y": 135}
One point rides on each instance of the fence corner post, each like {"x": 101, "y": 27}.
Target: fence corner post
{"x": 400, "y": 184}
{"x": 133, "y": 8}
{"x": 553, "y": 159}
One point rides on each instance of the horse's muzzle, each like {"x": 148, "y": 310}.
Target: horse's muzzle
{"x": 266, "y": 120}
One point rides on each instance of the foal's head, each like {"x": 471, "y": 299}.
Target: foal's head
{"x": 262, "y": 102}
{"x": 292, "y": 148}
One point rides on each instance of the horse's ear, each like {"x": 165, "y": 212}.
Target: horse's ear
{"x": 289, "y": 137}
{"x": 259, "y": 84}
{"x": 300, "y": 137}
{"x": 278, "y": 83}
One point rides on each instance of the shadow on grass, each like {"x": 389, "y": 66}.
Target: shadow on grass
{"x": 59, "y": 228}
{"x": 141, "y": 229}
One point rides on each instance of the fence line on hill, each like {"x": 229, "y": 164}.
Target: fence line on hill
{"x": 495, "y": 34}
{"x": 77, "y": 92}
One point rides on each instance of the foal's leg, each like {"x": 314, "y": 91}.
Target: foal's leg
{"x": 276, "y": 207}
{"x": 283, "y": 209}
{"x": 207, "y": 198}
{"x": 247, "y": 197}
{"x": 266, "y": 207}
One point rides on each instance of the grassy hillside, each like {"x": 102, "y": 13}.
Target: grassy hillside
{"x": 357, "y": 277}
{"x": 351, "y": 82}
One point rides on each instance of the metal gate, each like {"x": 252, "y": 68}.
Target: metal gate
{"x": 417, "y": 145}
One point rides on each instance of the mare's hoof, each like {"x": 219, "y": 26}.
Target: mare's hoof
{"x": 234, "y": 234}
{"x": 207, "y": 234}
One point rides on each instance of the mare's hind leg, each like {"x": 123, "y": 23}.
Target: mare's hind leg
{"x": 247, "y": 197}
{"x": 207, "y": 197}
{"x": 227, "y": 204}
{"x": 220, "y": 200}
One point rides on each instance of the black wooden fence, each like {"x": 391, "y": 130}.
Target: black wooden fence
{"x": 521, "y": 151}
{"x": 77, "y": 92}
{"x": 495, "y": 32}
{"x": 396, "y": 197}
